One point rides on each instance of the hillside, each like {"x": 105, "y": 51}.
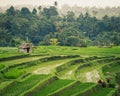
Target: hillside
{"x": 93, "y": 11}
{"x": 40, "y": 26}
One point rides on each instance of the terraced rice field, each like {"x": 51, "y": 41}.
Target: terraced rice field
{"x": 20, "y": 60}
{"x": 53, "y": 86}
{"x": 104, "y": 92}
{"x": 50, "y": 72}
{"x": 77, "y": 89}
{"x": 23, "y": 86}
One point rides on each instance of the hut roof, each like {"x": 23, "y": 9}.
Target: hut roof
{"x": 26, "y": 45}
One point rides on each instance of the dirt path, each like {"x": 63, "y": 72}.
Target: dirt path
{"x": 67, "y": 75}
{"x": 46, "y": 69}
{"x": 92, "y": 76}
{"x": 89, "y": 77}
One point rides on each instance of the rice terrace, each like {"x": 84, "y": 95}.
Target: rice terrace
{"x": 59, "y": 47}
{"x": 59, "y": 71}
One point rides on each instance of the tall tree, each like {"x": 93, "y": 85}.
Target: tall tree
{"x": 70, "y": 16}
{"x": 10, "y": 11}
{"x": 48, "y": 12}
{"x": 40, "y": 9}
{"x": 55, "y": 3}
{"x": 25, "y": 11}
{"x": 34, "y": 11}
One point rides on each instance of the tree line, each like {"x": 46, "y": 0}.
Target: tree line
{"x": 42, "y": 25}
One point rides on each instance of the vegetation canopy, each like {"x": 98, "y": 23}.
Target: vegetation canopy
{"x": 41, "y": 24}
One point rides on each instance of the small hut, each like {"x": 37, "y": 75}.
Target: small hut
{"x": 26, "y": 47}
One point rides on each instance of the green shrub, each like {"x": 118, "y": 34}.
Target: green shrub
{"x": 111, "y": 85}
{"x": 13, "y": 73}
{"x": 113, "y": 93}
{"x": 1, "y": 66}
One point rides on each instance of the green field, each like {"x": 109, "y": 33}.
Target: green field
{"x": 54, "y": 71}
{"x": 104, "y": 92}
{"x": 77, "y": 89}
{"x": 89, "y": 51}
{"x": 57, "y": 84}
{"x": 24, "y": 85}
{"x": 58, "y": 50}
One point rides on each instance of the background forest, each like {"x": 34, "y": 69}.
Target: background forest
{"x": 68, "y": 27}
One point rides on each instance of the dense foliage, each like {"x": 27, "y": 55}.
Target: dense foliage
{"x": 13, "y": 73}
{"x": 40, "y": 25}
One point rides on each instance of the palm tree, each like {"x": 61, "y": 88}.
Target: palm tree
{"x": 54, "y": 41}
{"x": 55, "y": 3}
{"x": 40, "y": 8}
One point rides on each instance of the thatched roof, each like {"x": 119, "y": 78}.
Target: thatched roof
{"x": 26, "y": 45}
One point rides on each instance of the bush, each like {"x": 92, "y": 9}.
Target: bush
{"x": 13, "y": 73}
{"x": 1, "y": 66}
{"x": 111, "y": 85}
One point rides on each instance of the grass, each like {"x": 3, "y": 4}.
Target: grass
{"x": 20, "y": 60}
{"x": 40, "y": 67}
{"x": 1, "y": 66}
{"x": 102, "y": 91}
{"x": 13, "y": 73}
{"x": 81, "y": 74}
{"x": 110, "y": 71}
{"x": 76, "y": 89}
{"x": 52, "y": 87}
{"x": 93, "y": 69}
{"x": 20, "y": 87}
{"x": 89, "y": 51}
{"x": 63, "y": 50}
{"x": 9, "y": 51}
{"x": 68, "y": 73}
{"x": 4, "y": 84}
{"x": 48, "y": 65}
